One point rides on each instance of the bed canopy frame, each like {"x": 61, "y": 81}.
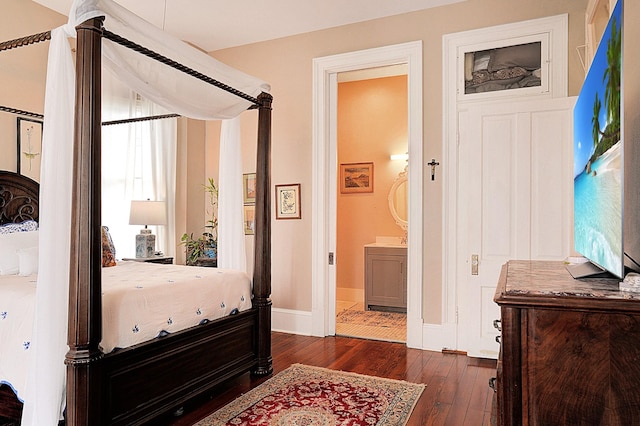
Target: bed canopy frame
{"x": 141, "y": 383}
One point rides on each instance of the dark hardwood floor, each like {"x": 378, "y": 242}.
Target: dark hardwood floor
{"x": 457, "y": 391}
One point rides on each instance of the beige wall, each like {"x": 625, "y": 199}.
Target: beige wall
{"x": 372, "y": 125}
{"x": 287, "y": 65}
{"x": 22, "y": 70}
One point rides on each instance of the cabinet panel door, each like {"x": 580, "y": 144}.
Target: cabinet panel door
{"x": 385, "y": 280}
{"x": 567, "y": 368}
{"x": 625, "y": 373}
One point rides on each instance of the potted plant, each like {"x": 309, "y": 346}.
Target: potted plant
{"x": 203, "y": 251}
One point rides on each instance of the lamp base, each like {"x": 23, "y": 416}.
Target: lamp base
{"x": 145, "y": 244}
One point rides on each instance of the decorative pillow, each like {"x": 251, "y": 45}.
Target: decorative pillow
{"x": 527, "y": 56}
{"x": 485, "y": 81}
{"x": 509, "y": 73}
{"x": 26, "y": 226}
{"x": 468, "y": 66}
{"x": 28, "y": 261}
{"x": 9, "y": 246}
{"x": 108, "y": 249}
{"x": 481, "y": 60}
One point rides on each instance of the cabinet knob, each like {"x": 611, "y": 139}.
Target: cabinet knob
{"x": 492, "y": 383}
{"x": 497, "y": 324}
{"x": 499, "y": 339}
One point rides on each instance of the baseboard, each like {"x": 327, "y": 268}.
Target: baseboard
{"x": 435, "y": 337}
{"x": 439, "y": 337}
{"x": 350, "y": 294}
{"x": 291, "y": 321}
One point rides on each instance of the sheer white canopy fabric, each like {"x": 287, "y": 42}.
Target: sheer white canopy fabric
{"x": 169, "y": 88}
{"x": 163, "y": 85}
{"x": 231, "y": 248}
{"x": 45, "y": 396}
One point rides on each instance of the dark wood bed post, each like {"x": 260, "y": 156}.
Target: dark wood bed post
{"x": 262, "y": 250}
{"x": 85, "y": 279}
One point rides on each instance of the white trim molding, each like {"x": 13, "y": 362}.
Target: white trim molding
{"x": 325, "y": 72}
{"x": 291, "y": 321}
{"x": 436, "y": 337}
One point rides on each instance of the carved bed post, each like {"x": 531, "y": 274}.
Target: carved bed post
{"x": 262, "y": 251}
{"x": 85, "y": 280}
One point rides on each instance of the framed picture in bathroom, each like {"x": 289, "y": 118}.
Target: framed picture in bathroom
{"x": 356, "y": 178}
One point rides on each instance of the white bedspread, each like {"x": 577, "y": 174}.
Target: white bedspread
{"x": 17, "y": 296}
{"x": 140, "y": 301}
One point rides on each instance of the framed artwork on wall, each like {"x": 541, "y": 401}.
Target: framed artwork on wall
{"x": 29, "y": 147}
{"x": 249, "y": 219}
{"x": 288, "y": 201}
{"x": 356, "y": 177}
{"x": 249, "y": 187}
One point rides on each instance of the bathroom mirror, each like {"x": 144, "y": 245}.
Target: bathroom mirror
{"x": 398, "y": 200}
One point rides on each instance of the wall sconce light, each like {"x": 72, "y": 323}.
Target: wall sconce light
{"x": 147, "y": 213}
{"x": 404, "y": 157}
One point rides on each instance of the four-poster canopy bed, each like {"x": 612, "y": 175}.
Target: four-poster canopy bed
{"x": 136, "y": 384}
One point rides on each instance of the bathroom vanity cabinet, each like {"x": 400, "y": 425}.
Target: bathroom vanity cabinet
{"x": 385, "y": 277}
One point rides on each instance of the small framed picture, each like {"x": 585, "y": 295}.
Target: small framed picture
{"x": 288, "y": 201}
{"x": 29, "y": 147}
{"x": 249, "y": 187}
{"x": 356, "y": 177}
{"x": 249, "y": 219}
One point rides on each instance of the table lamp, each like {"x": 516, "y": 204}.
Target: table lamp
{"x": 146, "y": 212}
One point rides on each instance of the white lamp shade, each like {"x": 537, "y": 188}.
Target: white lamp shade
{"x": 148, "y": 213}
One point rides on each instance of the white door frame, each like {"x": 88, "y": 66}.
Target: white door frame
{"x": 324, "y": 153}
{"x": 453, "y": 47}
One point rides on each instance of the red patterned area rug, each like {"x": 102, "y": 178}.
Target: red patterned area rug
{"x": 314, "y": 396}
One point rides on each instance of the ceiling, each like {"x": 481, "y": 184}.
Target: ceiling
{"x": 218, "y": 24}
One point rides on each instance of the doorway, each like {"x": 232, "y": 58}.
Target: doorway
{"x": 372, "y": 113}
{"x": 325, "y": 71}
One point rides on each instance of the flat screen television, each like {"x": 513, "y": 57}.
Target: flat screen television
{"x": 598, "y": 159}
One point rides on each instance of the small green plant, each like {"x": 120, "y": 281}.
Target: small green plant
{"x": 200, "y": 247}
{"x": 205, "y": 246}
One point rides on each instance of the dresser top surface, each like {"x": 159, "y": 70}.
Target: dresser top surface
{"x": 550, "y": 279}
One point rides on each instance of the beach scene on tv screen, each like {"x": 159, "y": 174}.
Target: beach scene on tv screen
{"x": 597, "y": 149}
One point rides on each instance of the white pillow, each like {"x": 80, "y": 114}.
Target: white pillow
{"x": 9, "y": 246}
{"x": 27, "y": 225}
{"x": 28, "y": 261}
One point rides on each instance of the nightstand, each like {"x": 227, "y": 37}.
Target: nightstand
{"x": 165, "y": 260}
{"x": 206, "y": 261}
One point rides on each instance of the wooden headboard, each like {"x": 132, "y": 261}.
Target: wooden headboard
{"x": 18, "y": 198}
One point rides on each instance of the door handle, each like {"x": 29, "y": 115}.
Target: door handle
{"x": 474, "y": 264}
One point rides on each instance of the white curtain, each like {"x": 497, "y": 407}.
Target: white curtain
{"x": 45, "y": 391}
{"x": 231, "y": 249}
{"x": 138, "y": 163}
{"x": 169, "y": 88}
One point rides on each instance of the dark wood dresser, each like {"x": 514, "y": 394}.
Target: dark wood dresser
{"x": 570, "y": 349}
